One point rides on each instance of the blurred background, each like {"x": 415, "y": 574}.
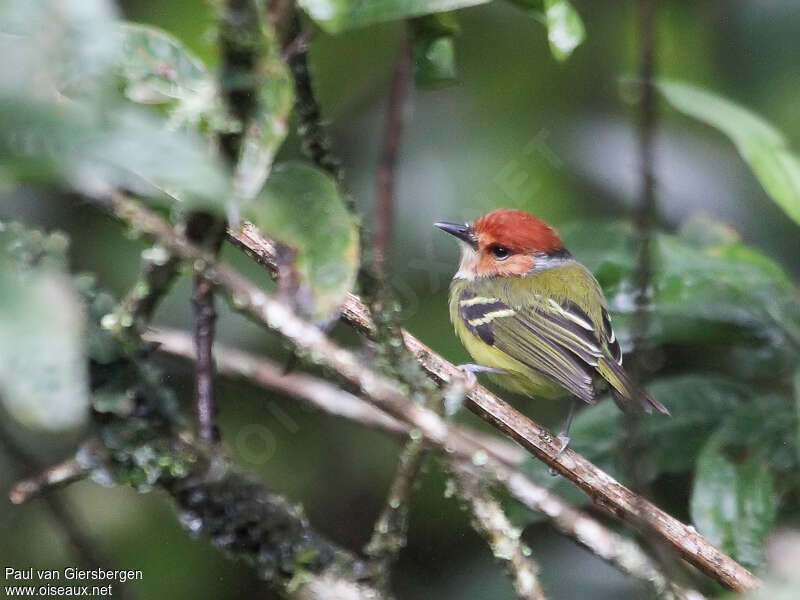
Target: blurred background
{"x": 518, "y": 130}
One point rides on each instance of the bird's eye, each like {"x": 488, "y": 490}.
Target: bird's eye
{"x": 500, "y": 253}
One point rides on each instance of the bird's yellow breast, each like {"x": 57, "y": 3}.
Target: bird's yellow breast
{"x": 519, "y": 377}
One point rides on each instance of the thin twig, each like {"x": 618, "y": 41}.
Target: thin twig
{"x": 608, "y": 545}
{"x": 392, "y": 134}
{"x": 647, "y": 209}
{"x": 389, "y": 535}
{"x": 383, "y": 392}
{"x": 503, "y": 538}
{"x": 157, "y": 272}
{"x": 84, "y": 549}
{"x": 205, "y": 318}
{"x": 644, "y": 224}
{"x": 50, "y": 478}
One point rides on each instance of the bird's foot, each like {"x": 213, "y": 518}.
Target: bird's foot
{"x": 564, "y": 439}
{"x": 469, "y": 371}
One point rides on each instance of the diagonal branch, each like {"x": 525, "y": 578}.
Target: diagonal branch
{"x": 598, "y": 485}
{"x": 384, "y": 393}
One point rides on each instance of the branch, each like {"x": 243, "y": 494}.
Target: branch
{"x": 259, "y": 371}
{"x": 383, "y": 392}
{"x": 392, "y": 134}
{"x": 389, "y": 535}
{"x": 503, "y": 538}
{"x": 48, "y": 479}
{"x": 598, "y": 485}
{"x": 646, "y": 212}
{"x": 157, "y": 272}
{"x": 315, "y": 142}
{"x": 85, "y": 549}
{"x": 605, "y": 543}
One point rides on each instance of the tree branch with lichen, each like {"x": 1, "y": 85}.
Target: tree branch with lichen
{"x": 602, "y": 488}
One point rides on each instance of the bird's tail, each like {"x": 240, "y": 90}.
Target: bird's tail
{"x": 625, "y": 390}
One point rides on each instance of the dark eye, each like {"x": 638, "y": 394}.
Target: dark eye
{"x": 500, "y": 253}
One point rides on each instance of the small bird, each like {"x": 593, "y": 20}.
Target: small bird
{"x": 534, "y": 317}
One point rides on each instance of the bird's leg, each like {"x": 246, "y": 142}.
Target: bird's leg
{"x": 563, "y": 435}
{"x": 470, "y": 369}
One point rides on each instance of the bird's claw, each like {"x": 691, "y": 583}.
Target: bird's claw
{"x": 564, "y": 439}
{"x": 469, "y": 370}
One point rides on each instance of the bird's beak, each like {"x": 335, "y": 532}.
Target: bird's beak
{"x": 462, "y": 231}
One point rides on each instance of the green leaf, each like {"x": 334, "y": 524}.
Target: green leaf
{"x": 123, "y": 147}
{"x": 733, "y": 502}
{"x": 64, "y": 45}
{"x": 43, "y": 368}
{"x": 714, "y": 290}
{"x": 302, "y": 208}
{"x": 762, "y": 146}
{"x": 565, "y": 30}
{"x": 157, "y": 68}
{"x": 335, "y": 16}
{"x": 433, "y": 50}
{"x": 94, "y": 140}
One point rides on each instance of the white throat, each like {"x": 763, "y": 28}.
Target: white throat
{"x": 469, "y": 262}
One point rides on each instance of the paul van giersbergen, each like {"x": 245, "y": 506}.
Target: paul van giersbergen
{"x": 72, "y": 574}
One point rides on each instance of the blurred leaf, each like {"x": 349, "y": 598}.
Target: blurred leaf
{"x": 335, "y": 16}
{"x": 565, "y": 30}
{"x": 697, "y": 402}
{"x": 268, "y": 129}
{"x": 704, "y": 291}
{"x": 57, "y": 45}
{"x": 301, "y": 207}
{"x": 43, "y": 370}
{"x": 762, "y": 146}
{"x": 733, "y": 502}
{"x": 158, "y": 69}
{"x": 433, "y": 50}
{"x": 129, "y": 148}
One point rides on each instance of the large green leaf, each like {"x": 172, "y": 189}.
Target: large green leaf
{"x": 64, "y": 45}
{"x": 763, "y": 147}
{"x": 335, "y": 16}
{"x": 94, "y": 139}
{"x": 301, "y": 207}
{"x": 43, "y": 368}
{"x": 733, "y": 502}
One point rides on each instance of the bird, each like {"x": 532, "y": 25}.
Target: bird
{"x": 533, "y": 317}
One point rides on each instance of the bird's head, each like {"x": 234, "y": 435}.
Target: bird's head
{"x": 505, "y": 242}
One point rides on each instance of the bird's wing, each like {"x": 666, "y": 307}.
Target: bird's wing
{"x": 557, "y": 339}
